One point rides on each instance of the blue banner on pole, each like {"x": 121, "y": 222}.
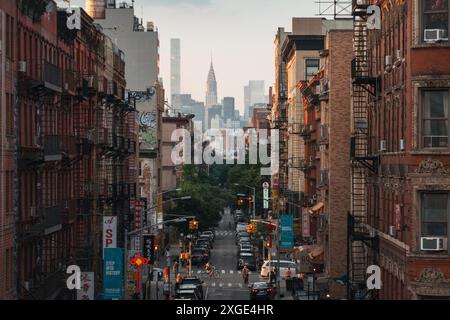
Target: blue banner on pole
{"x": 113, "y": 274}
{"x": 287, "y": 231}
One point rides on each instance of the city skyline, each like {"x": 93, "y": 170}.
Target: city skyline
{"x": 203, "y": 26}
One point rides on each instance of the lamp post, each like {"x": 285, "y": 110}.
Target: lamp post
{"x": 254, "y": 197}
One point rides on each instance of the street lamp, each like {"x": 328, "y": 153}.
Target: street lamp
{"x": 254, "y": 196}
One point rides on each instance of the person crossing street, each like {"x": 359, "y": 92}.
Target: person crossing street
{"x": 245, "y": 273}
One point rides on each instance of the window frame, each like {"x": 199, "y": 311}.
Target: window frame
{"x": 308, "y": 77}
{"x": 422, "y": 22}
{"x": 421, "y": 229}
{"x": 421, "y": 113}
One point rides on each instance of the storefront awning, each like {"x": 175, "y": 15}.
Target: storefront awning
{"x": 314, "y": 210}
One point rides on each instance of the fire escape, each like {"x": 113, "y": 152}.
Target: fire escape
{"x": 362, "y": 240}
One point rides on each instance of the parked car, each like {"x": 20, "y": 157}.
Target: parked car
{"x": 245, "y": 250}
{"x": 246, "y": 259}
{"x": 242, "y": 234}
{"x": 245, "y": 246}
{"x": 210, "y": 234}
{"x": 204, "y": 241}
{"x": 241, "y": 227}
{"x": 244, "y": 240}
{"x": 262, "y": 291}
{"x": 193, "y": 280}
{"x": 282, "y": 266}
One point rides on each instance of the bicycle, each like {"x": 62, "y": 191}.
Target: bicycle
{"x": 213, "y": 273}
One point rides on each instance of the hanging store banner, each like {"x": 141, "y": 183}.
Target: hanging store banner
{"x": 287, "y": 231}
{"x": 398, "y": 217}
{"x": 113, "y": 274}
{"x": 109, "y": 232}
{"x": 266, "y": 195}
{"x": 305, "y": 223}
{"x": 86, "y": 291}
{"x": 138, "y": 214}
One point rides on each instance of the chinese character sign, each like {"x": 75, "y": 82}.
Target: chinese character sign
{"x": 113, "y": 273}
{"x": 86, "y": 291}
{"x": 305, "y": 224}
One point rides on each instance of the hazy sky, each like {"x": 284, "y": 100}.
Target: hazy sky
{"x": 238, "y": 33}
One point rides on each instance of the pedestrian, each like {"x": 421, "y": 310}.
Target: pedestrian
{"x": 178, "y": 280}
{"x": 273, "y": 277}
{"x": 245, "y": 274}
{"x": 175, "y": 266}
{"x": 288, "y": 273}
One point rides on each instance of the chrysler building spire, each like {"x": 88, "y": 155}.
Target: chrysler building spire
{"x": 211, "y": 87}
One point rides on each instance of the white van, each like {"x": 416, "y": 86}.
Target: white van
{"x": 282, "y": 265}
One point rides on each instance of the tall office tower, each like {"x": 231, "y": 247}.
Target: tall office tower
{"x": 228, "y": 108}
{"x": 96, "y": 8}
{"x": 211, "y": 88}
{"x": 253, "y": 93}
{"x": 175, "y": 68}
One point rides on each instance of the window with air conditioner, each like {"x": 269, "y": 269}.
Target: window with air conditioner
{"x": 434, "y": 221}
{"x": 435, "y": 20}
{"x": 435, "y": 120}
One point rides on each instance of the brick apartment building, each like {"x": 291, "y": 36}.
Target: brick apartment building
{"x": 400, "y": 150}
{"x": 75, "y": 152}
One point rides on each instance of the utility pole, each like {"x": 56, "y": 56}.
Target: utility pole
{"x": 190, "y": 257}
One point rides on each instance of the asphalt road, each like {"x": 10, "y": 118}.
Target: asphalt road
{"x": 230, "y": 285}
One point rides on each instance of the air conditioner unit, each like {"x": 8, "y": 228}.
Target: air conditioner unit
{"x": 383, "y": 145}
{"x": 33, "y": 212}
{"x": 435, "y": 35}
{"x": 402, "y": 144}
{"x": 26, "y": 285}
{"x": 388, "y": 62}
{"x": 399, "y": 55}
{"x": 392, "y": 231}
{"x": 22, "y": 66}
{"x": 433, "y": 243}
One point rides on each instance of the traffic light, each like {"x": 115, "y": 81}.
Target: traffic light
{"x": 269, "y": 242}
{"x": 193, "y": 225}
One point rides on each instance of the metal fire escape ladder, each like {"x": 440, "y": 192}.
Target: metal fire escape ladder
{"x": 360, "y": 239}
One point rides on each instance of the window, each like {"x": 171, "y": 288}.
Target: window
{"x": 311, "y": 67}
{"x": 434, "y": 214}
{"x": 435, "y": 118}
{"x": 435, "y": 15}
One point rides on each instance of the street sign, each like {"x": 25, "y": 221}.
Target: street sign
{"x": 113, "y": 274}
{"x": 148, "y": 251}
{"x": 287, "y": 231}
{"x": 266, "y": 195}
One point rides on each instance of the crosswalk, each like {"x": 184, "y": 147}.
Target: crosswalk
{"x": 224, "y": 233}
{"x": 226, "y": 285}
{"x": 224, "y": 272}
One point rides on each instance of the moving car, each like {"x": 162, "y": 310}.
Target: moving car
{"x": 189, "y": 287}
{"x": 282, "y": 265}
{"x": 193, "y": 280}
{"x": 262, "y": 291}
{"x": 199, "y": 256}
{"x": 187, "y": 294}
{"x": 241, "y": 234}
{"x": 244, "y": 240}
{"x": 247, "y": 259}
{"x": 245, "y": 250}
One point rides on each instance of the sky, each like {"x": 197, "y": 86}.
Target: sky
{"x": 238, "y": 33}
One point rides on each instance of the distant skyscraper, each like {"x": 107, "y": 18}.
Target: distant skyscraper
{"x": 213, "y": 111}
{"x": 253, "y": 93}
{"x": 175, "y": 67}
{"x": 228, "y": 108}
{"x": 211, "y": 88}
